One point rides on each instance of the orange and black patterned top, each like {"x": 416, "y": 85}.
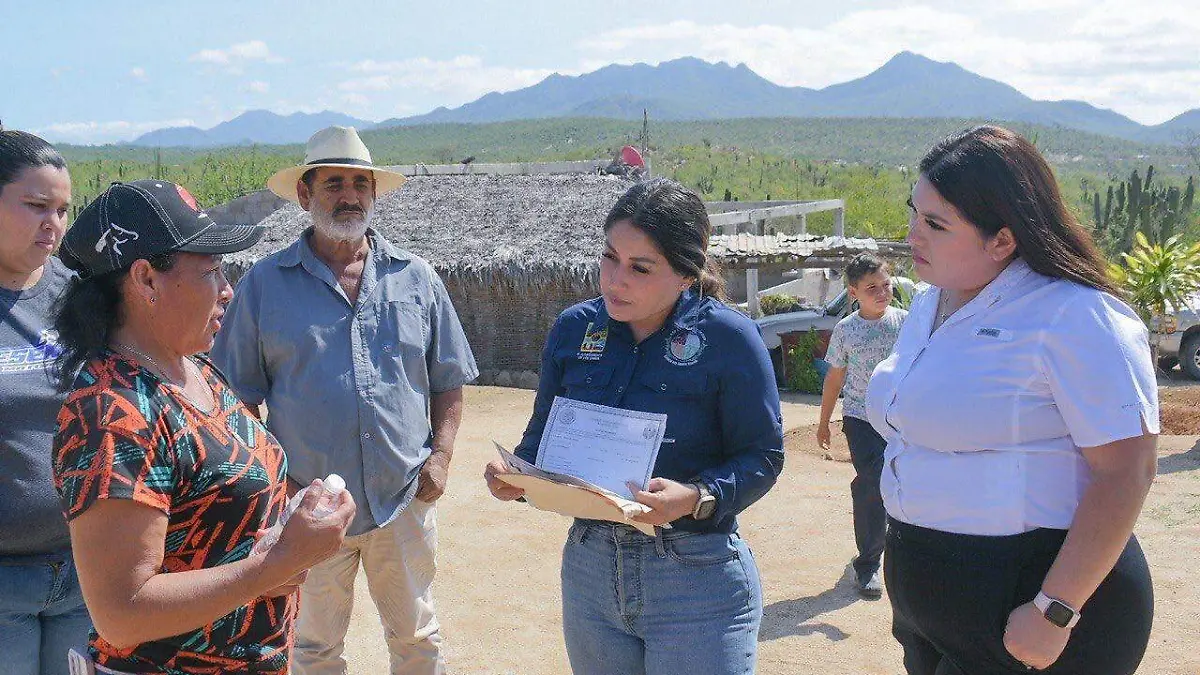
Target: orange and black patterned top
{"x": 218, "y": 476}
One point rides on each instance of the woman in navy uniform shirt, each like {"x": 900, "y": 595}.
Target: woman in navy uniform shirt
{"x": 1021, "y": 411}
{"x": 660, "y": 340}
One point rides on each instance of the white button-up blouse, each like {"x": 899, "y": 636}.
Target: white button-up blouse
{"x": 985, "y": 417}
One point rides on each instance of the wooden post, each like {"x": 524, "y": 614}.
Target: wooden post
{"x": 752, "y": 293}
{"x": 839, "y": 222}
{"x": 803, "y": 223}
{"x": 760, "y": 227}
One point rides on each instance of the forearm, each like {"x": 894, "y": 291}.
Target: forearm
{"x": 1100, "y": 531}
{"x": 171, "y": 603}
{"x": 743, "y": 480}
{"x": 834, "y": 380}
{"x": 445, "y": 417}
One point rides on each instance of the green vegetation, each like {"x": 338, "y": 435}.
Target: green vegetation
{"x": 867, "y": 162}
{"x": 802, "y": 374}
{"x": 213, "y": 178}
{"x": 1158, "y": 277}
{"x": 778, "y": 304}
{"x": 1156, "y": 211}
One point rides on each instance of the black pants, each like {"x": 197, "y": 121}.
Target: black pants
{"x": 951, "y": 596}
{"x": 870, "y": 517}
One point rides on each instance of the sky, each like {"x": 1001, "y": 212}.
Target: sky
{"x": 99, "y": 72}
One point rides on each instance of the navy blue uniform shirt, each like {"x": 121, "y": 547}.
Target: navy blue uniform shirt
{"x": 707, "y": 369}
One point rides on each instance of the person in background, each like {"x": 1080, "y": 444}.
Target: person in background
{"x": 164, "y": 475}
{"x": 42, "y": 613}
{"x": 1021, "y": 412}
{"x": 859, "y": 342}
{"x": 687, "y": 600}
{"x": 355, "y": 348}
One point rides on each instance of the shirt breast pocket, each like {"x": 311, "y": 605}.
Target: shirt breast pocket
{"x": 586, "y": 383}
{"x": 401, "y": 329}
{"x": 676, "y": 385}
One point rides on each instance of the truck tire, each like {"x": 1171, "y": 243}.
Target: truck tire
{"x": 1189, "y": 356}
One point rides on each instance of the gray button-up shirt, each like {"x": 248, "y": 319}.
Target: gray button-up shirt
{"x": 347, "y": 385}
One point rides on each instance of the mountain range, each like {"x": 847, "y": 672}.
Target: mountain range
{"x": 256, "y": 127}
{"x": 907, "y": 86}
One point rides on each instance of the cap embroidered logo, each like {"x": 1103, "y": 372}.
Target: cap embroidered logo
{"x": 187, "y": 198}
{"x": 129, "y": 235}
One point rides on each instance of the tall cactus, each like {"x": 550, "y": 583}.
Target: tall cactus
{"x": 1158, "y": 212}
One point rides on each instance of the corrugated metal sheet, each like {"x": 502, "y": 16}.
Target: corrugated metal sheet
{"x": 739, "y": 247}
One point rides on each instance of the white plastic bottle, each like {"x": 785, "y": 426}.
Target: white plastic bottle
{"x": 331, "y": 489}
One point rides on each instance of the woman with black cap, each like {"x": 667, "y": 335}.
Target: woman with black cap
{"x": 165, "y": 477}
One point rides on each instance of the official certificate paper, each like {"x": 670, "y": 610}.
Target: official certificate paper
{"x": 605, "y": 446}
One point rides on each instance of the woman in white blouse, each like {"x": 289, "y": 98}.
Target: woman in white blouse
{"x": 1021, "y": 412}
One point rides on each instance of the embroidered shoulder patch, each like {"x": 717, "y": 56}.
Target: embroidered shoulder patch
{"x": 685, "y": 346}
{"x": 593, "y": 342}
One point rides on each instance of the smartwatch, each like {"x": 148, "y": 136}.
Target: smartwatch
{"x": 706, "y": 505}
{"x": 1056, "y": 611}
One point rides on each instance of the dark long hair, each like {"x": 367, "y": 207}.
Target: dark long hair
{"x": 675, "y": 218}
{"x": 996, "y": 178}
{"x": 87, "y": 313}
{"x": 20, "y": 150}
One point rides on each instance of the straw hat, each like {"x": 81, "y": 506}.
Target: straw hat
{"x": 334, "y": 146}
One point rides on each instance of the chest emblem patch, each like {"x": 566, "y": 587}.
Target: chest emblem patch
{"x": 593, "y": 342}
{"x": 685, "y": 346}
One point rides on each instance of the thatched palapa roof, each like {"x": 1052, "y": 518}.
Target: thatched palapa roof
{"x": 518, "y": 231}
{"x": 499, "y": 229}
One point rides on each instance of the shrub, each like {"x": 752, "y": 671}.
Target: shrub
{"x": 778, "y": 304}
{"x": 802, "y": 374}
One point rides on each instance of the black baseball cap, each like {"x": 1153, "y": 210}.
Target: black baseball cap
{"x": 144, "y": 219}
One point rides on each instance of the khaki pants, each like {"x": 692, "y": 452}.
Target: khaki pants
{"x": 399, "y": 560}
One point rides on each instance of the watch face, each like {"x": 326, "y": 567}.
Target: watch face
{"x": 1059, "y": 614}
{"x": 706, "y": 508}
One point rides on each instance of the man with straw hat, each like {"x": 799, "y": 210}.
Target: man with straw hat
{"x": 356, "y": 350}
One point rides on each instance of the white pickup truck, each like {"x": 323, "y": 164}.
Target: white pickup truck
{"x": 820, "y": 319}
{"x": 1178, "y": 340}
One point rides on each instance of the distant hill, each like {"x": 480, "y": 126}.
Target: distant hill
{"x": 686, "y": 88}
{"x": 879, "y": 141}
{"x": 256, "y": 127}
{"x": 907, "y": 86}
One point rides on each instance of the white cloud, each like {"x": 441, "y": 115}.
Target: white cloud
{"x": 98, "y": 133}
{"x": 452, "y": 82}
{"x": 236, "y": 56}
{"x": 257, "y": 87}
{"x": 1139, "y": 61}
{"x": 138, "y": 73}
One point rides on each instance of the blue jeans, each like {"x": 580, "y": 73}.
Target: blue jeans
{"x": 42, "y": 614}
{"x": 681, "y": 602}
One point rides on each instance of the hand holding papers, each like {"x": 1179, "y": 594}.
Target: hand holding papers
{"x": 587, "y": 455}
{"x": 568, "y": 495}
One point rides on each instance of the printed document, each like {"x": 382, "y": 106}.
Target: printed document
{"x": 605, "y": 446}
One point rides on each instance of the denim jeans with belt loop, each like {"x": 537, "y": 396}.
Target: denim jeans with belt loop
{"x": 677, "y": 602}
{"x": 42, "y": 614}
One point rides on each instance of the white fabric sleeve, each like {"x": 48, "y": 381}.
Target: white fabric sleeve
{"x": 1096, "y": 360}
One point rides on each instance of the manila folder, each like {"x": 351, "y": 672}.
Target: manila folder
{"x": 576, "y": 501}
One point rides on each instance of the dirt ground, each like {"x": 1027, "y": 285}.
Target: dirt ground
{"x": 1180, "y": 410}
{"x": 498, "y": 588}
